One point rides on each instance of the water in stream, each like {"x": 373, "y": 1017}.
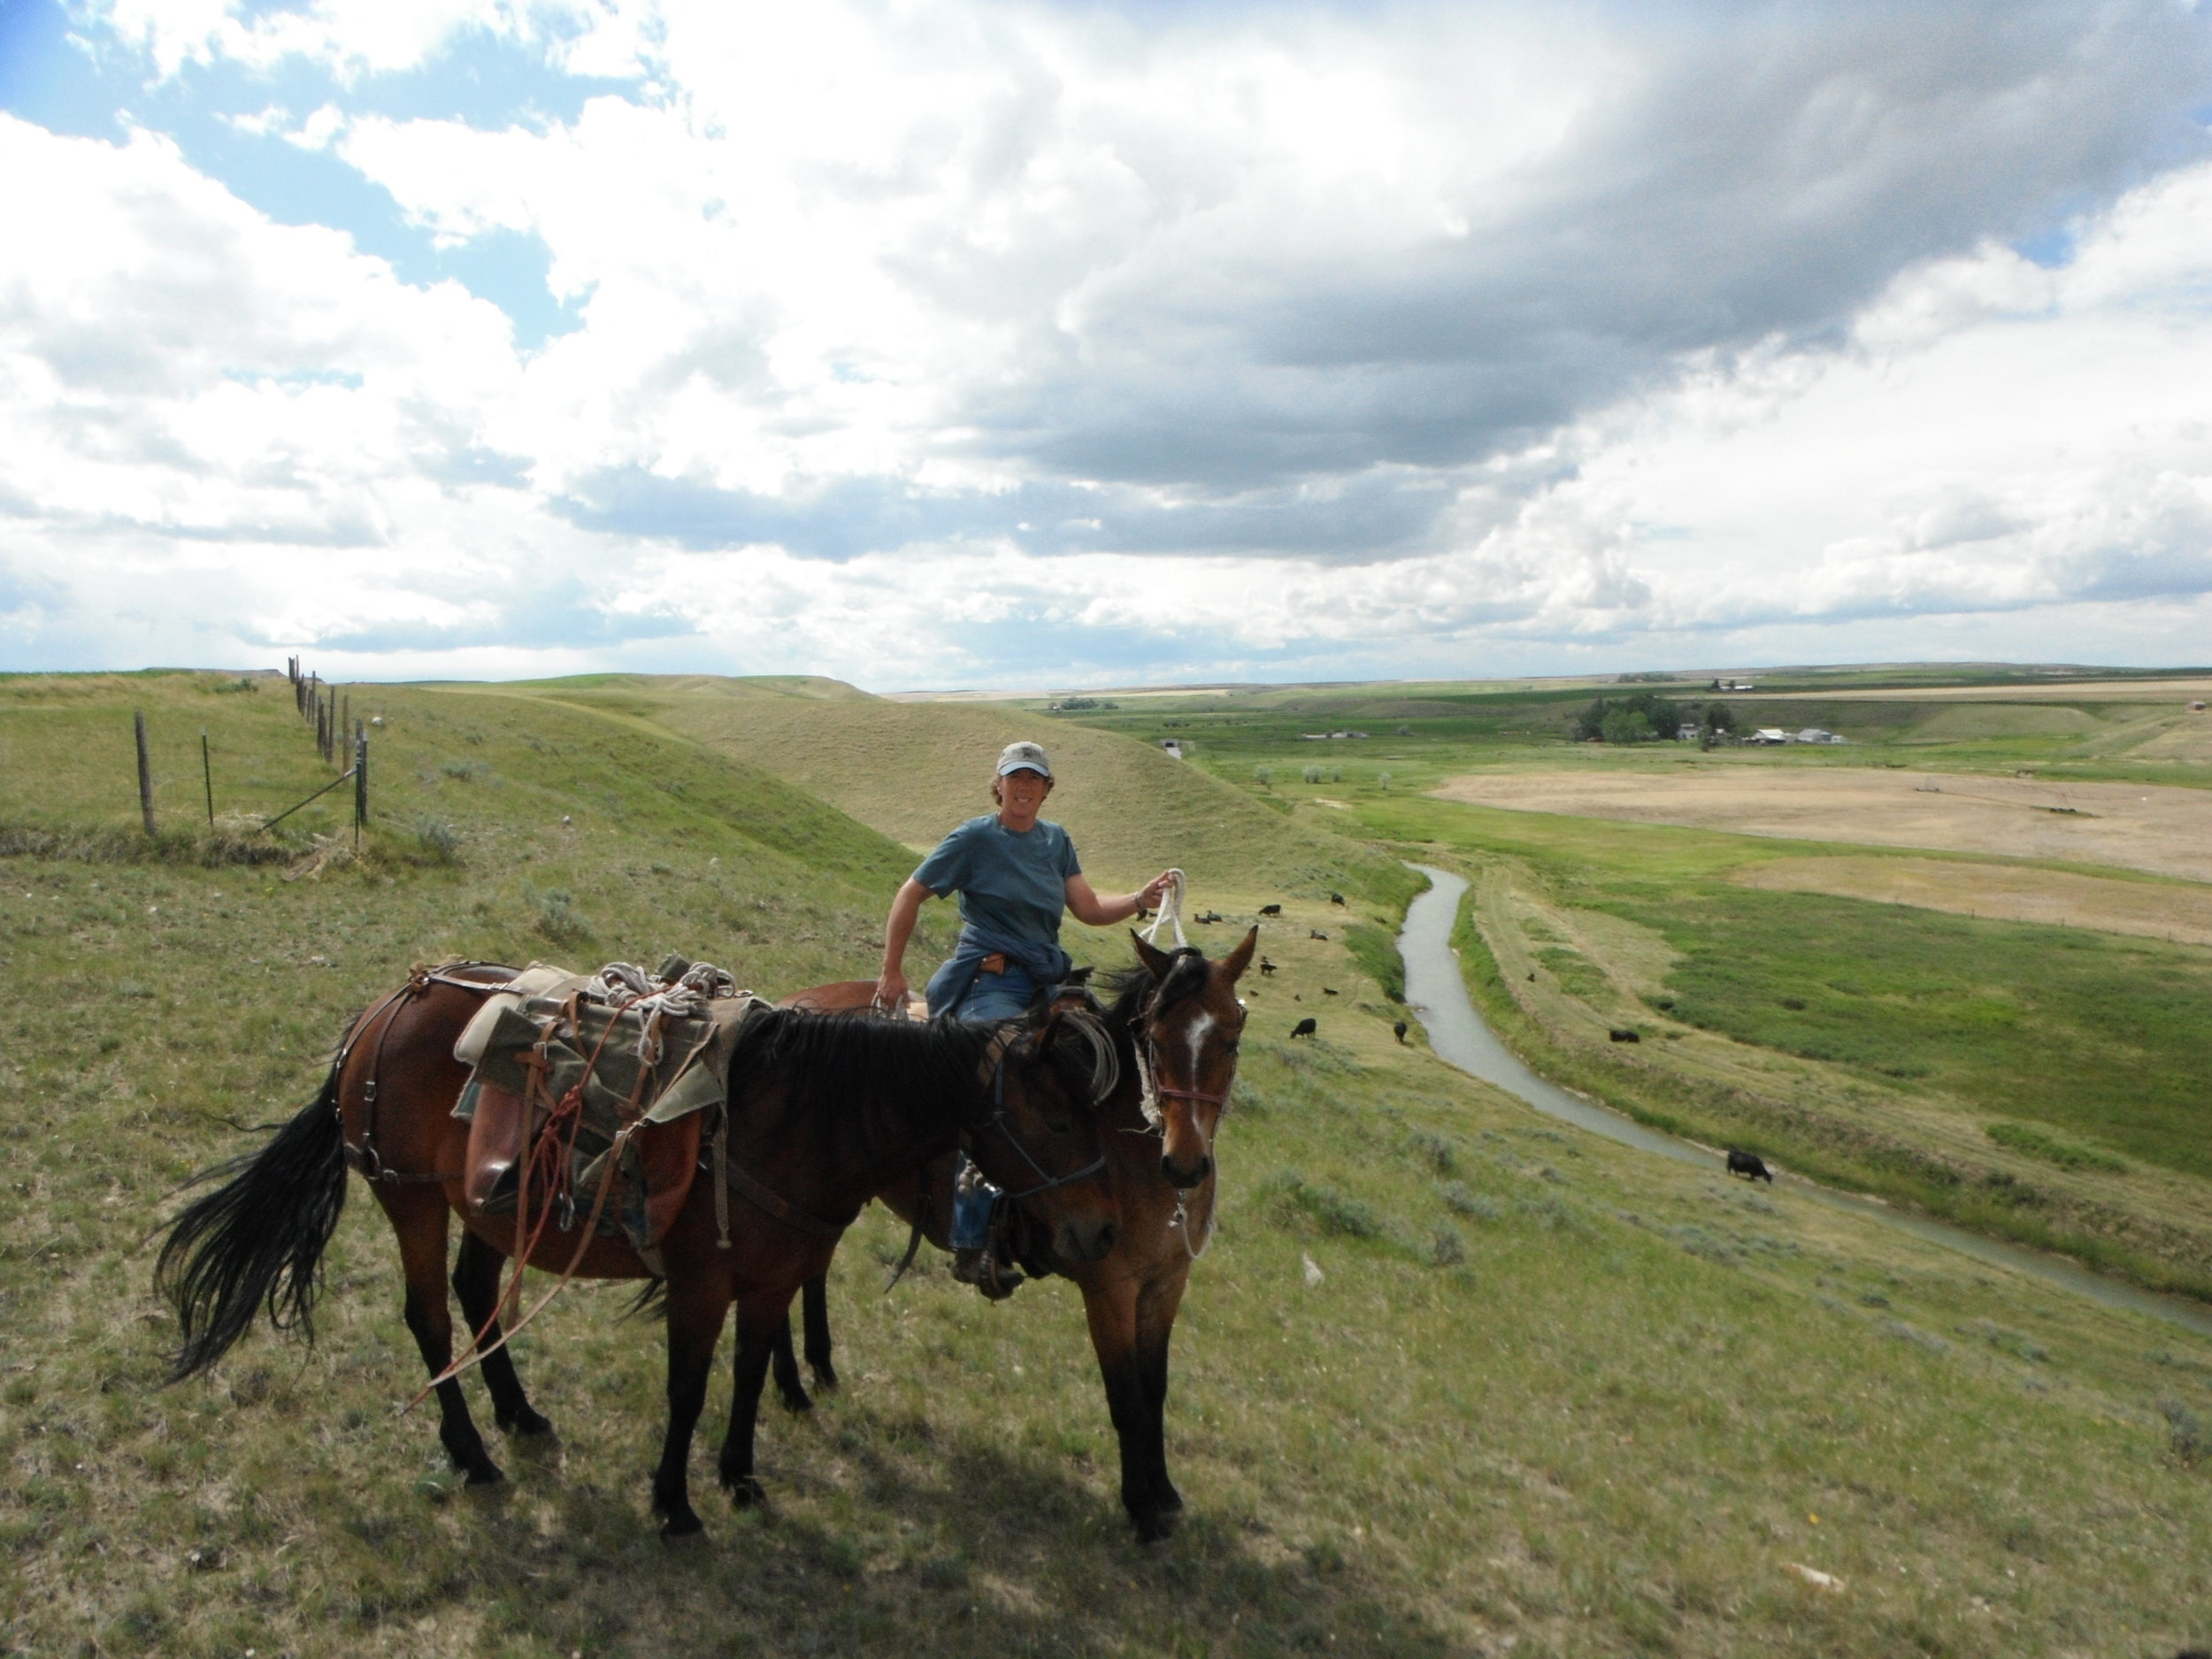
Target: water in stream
{"x": 1434, "y": 987}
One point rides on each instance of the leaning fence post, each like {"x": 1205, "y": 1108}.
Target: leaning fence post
{"x": 207, "y": 776}
{"x": 145, "y": 772}
{"x": 360, "y": 781}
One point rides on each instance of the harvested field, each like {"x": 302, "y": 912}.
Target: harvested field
{"x": 2147, "y": 692}
{"x": 2165, "y": 831}
{"x": 2006, "y": 892}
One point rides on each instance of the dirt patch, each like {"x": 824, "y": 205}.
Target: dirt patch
{"x": 2007, "y": 892}
{"x": 2165, "y": 831}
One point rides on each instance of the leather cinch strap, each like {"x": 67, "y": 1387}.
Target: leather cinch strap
{"x": 789, "y": 1214}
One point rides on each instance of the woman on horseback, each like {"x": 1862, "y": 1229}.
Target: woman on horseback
{"x": 1016, "y": 874}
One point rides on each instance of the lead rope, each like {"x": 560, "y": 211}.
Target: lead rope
{"x": 1179, "y": 1222}
{"x": 1171, "y": 914}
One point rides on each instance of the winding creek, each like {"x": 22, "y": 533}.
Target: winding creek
{"x": 1434, "y": 988}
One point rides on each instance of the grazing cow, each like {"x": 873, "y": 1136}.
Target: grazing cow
{"x": 1271, "y": 910}
{"x": 1315, "y": 933}
{"x": 1304, "y": 1028}
{"x": 1210, "y": 916}
{"x": 1338, "y": 898}
{"x": 1266, "y": 966}
{"x": 1400, "y": 1028}
{"x": 1532, "y": 976}
{"x": 1751, "y": 1166}
{"x": 1621, "y": 1034}
{"x": 1327, "y": 991}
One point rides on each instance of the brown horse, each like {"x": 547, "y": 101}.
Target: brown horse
{"x": 1176, "y": 1022}
{"x": 822, "y": 1114}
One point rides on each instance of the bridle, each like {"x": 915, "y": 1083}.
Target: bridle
{"x": 1046, "y": 1182}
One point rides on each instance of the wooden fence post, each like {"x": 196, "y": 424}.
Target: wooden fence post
{"x": 207, "y": 776}
{"x": 145, "y": 772}
{"x": 360, "y": 781}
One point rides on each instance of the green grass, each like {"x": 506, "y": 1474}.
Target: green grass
{"x": 1602, "y": 1419}
{"x": 2040, "y": 1143}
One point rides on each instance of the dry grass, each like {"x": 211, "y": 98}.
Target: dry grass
{"x": 2012, "y": 892}
{"x": 2165, "y": 831}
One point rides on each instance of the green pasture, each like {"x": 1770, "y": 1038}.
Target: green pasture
{"x": 1451, "y": 1381}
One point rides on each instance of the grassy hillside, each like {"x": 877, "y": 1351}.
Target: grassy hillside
{"x": 914, "y": 770}
{"x": 1451, "y": 1381}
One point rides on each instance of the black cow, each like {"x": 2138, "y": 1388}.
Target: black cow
{"x": 1304, "y": 1028}
{"x": 1751, "y": 1166}
{"x": 1327, "y": 991}
{"x": 1210, "y": 916}
{"x": 1315, "y": 933}
{"x": 1621, "y": 1034}
{"x": 1266, "y": 966}
{"x": 1271, "y": 910}
{"x": 1400, "y": 1028}
{"x": 1338, "y": 898}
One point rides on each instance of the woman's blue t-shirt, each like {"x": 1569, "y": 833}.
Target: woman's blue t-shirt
{"x": 1010, "y": 882}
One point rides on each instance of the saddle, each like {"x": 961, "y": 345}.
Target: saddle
{"x": 602, "y": 1088}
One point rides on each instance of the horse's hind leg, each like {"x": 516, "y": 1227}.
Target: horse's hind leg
{"x": 418, "y": 1216}
{"x": 756, "y": 1345}
{"x": 814, "y": 1301}
{"x": 476, "y": 1282}
{"x": 788, "y": 1387}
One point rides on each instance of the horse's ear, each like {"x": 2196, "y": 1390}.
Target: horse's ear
{"x": 1237, "y": 960}
{"x": 1156, "y": 961}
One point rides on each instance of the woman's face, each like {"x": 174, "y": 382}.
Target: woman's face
{"x": 1022, "y": 793}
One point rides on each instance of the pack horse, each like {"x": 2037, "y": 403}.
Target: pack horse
{"x": 795, "y": 1119}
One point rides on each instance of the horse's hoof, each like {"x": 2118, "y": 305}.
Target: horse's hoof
{"x": 825, "y": 1377}
{"x": 745, "y": 1491}
{"x": 525, "y": 1422}
{"x": 795, "y": 1399}
{"x": 486, "y": 1474}
{"x": 687, "y": 1524}
{"x": 1154, "y": 1526}
{"x": 1167, "y": 1500}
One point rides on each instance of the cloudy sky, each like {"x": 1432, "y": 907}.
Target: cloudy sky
{"x": 939, "y": 344}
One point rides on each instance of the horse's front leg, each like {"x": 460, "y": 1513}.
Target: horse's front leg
{"x": 476, "y": 1282}
{"x": 1110, "y": 1308}
{"x": 697, "y": 1307}
{"x": 1158, "y": 1304}
{"x": 763, "y": 1323}
{"x": 418, "y": 1215}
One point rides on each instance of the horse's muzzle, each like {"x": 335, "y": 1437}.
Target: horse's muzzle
{"x": 1179, "y": 1176}
{"x": 1086, "y": 1241}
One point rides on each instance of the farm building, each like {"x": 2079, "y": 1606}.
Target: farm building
{"x": 1769, "y": 734}
{"x": 1814, "y": 734}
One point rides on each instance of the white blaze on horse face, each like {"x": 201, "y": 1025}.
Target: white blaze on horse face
{"x": 1201, "y": 1029}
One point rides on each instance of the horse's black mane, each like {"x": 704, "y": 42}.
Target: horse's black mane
{"x": 858, "y": 1064}
{"x": 1186, "y": 974}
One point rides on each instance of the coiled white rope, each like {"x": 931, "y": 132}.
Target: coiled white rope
{"x": 1171, "y": 914}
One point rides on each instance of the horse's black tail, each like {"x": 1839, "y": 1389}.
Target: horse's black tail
{"x": 257, "y": 1240}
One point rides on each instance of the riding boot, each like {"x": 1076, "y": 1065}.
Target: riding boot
{"x": 973, "y": 1199}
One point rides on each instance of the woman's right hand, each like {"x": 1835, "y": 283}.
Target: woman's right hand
{"x": 890, "y": 990}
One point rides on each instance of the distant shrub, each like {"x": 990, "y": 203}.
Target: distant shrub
{"x": 1434, "y": 1151}
{"x": 1291, "y": 1195}
{"x": 1311, "y": 775}
{"x": 1448, "y": 1250}
{"x": 553, "y": 914}
{"x": 437, "y": 839}
{"x": 2184, "y": 1434}
{"x": 227, "y": 687}
{"x": 2066, "y": 1153}
{"x": 1263, "y": 775}
{"x": 467, "y": 770}
{"x": 1382, "y": 781}
{"x": 1475, "y": 1206}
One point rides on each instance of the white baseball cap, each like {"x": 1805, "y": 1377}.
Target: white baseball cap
{"x": 1024, "y": 757}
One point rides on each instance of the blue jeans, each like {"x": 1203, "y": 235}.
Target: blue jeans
{"x": 991, "y": 996}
